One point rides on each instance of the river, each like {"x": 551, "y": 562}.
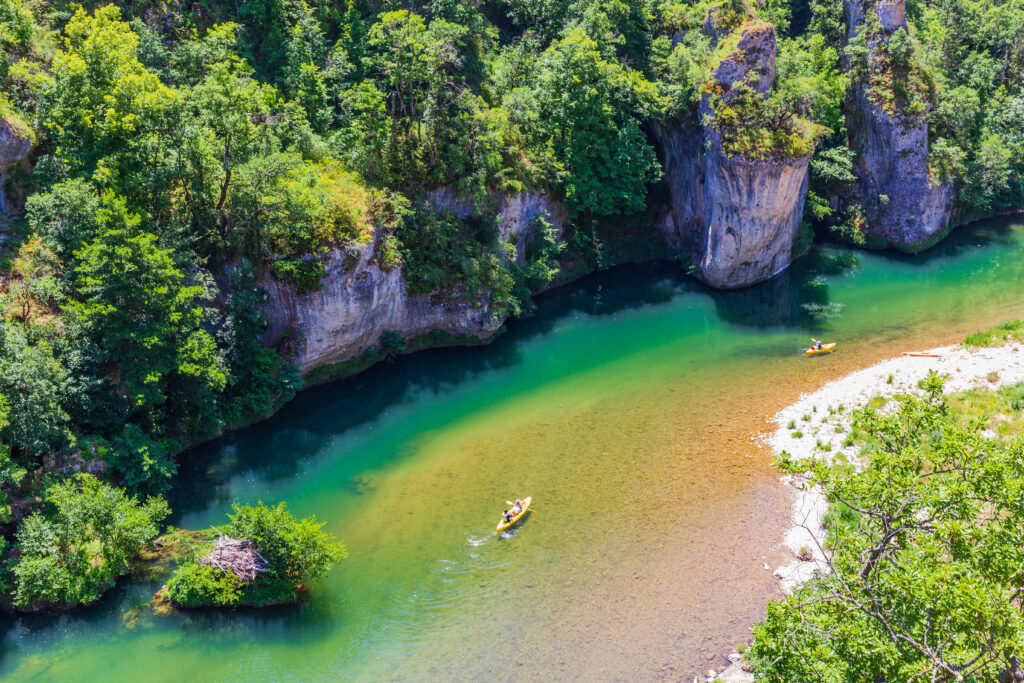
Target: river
{"x": 626, "y": 406}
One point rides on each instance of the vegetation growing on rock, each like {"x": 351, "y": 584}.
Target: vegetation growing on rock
{"x": 180, "y": 162}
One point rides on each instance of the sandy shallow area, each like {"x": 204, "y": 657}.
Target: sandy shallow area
{"x": 821, "y": 420}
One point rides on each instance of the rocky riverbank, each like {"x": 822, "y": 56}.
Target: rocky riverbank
{"x": 818, "y": 423}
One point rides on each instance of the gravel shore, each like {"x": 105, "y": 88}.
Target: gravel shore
{"x": 821, "y": 420}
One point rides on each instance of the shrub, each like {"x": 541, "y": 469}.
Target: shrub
{"x": 296, "y": 552}
{"x": 196, "y": 585}
{"x": 923, "y": 571}
{"x": 1010, "y": 330}
{"x": 72, "y": 552}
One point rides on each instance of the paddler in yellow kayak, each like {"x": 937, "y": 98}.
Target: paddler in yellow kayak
{"x": 514, "y": 514}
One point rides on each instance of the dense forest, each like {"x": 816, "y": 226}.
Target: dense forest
{"x": 182, "y": 153}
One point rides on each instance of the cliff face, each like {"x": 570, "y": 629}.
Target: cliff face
{"x": 359, "y": 301}
{"x": 752, "y": 208}
{"x": 357, "y": 305}
{"x": 14, "y": 148}
{"x": 516, "y": 214}
{"x": 905, "y": 207}
{"x": 682, "y": 148}
{"x": 752, "y": 216}
{"x": 738, "y": 218}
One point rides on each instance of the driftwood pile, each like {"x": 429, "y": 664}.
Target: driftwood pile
{"x": 238, "y": 556}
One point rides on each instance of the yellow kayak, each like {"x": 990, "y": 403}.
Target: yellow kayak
{"x": 825, "y": 348}
{"x": 503, "y": 525}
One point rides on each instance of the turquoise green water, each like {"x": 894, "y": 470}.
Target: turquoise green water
{"x": 625, "y": 406}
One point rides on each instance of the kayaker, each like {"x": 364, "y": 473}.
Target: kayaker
{"x": 507, "y": 515}
{"x": 817, "y": 346}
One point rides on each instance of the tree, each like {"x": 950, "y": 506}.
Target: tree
{"x": 72, "y": 552}
{"x": 924, "y": 559}
{"x": 145, "y": 316}
{"x": 296, "y": 550}
{"x": 293, "y": 553}
{"x": 418, "y": 71}
{"x": 105, "y": 113}
{"x": 230, "y": 114}
{"x": 10, "y": 473}
{"x": 259, "y": 379}
{"x": 66, "y": 216}
{"x": 589, "y": 107}
{"x": 34, "y": 382}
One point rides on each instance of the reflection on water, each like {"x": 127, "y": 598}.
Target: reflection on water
{"x": 625, "y": 404}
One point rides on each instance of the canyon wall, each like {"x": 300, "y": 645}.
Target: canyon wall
{"x": 359, "y": 301}
{"x": 906, "y": 208}
{"x": 15, "y": 145}
{"x": 736, "y": 217}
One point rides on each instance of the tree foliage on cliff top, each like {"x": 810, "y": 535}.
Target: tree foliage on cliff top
{"x": 236, "y": 141}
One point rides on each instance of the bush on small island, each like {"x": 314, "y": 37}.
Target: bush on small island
{"x": 74, "y": 550}
{"x": 293, "y": 552}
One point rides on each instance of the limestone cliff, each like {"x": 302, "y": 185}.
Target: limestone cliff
{"x": 15, "y": 145}
{"x": 906, "y": 208}
{"x": 682, "y": 149}
{"x": 359, "y": 301}
{"x": 752, "y": 216}
{"x": 737, "y": 217}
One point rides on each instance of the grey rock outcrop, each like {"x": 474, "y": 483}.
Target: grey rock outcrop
{"x": 15, "y": 146}
{"x": 752, "y": 216}
{"x": 516, "y": 214}
{"x": 682, "y": 148}
{"x": 738, "y": 218}
{"x": 359, "y": 301}
{"x": 905, "y": 206}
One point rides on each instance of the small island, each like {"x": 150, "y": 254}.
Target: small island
{"x": 264, "y": 556}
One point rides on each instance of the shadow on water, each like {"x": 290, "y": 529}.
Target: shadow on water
{"x": 992, "y": 232}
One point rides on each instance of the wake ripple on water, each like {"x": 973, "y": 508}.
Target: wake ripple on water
{"x": 452, "y": 590}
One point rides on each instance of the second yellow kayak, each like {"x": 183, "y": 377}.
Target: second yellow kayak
{"x": 825, "y": 348}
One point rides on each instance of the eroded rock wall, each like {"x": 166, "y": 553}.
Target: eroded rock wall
{"x": 752, "y": 208}
{"x": 682, "y": 147}
{"x": 906, "y": 208}
{"x": 737, "y": 218}
{"x": 15, "y": 145}
{"x": 357, "y": 304}
{"x": 360, "y": 301}
{"x": 752, "y": 217}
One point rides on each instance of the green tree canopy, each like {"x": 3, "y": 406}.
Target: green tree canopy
{"x": 146, "y": 317}
{"x": 925, "y": 558}
{"x": 74, "y": 550}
